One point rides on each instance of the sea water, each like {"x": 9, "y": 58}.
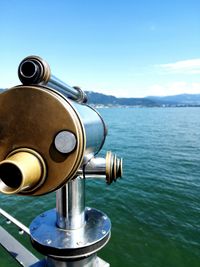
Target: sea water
{"x": 155, "y": 207}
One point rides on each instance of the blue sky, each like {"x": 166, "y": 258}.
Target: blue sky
{"x": 124, "y": 48}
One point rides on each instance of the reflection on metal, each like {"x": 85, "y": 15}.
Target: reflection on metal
{"x": 49, "y": 140}
{"x": 70, "y": 205}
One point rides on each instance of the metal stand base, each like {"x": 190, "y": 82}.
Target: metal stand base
{"x": 71, "y": 247}
{"x": 92, "y": 261}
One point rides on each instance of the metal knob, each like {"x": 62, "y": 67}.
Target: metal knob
{"x": 114, "y": 168}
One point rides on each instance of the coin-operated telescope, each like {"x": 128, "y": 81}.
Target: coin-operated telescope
{"x": 49, "y": 139}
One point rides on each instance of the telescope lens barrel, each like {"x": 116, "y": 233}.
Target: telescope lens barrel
{"x": 11, "y": 175}
{"x": 22, "y": 171}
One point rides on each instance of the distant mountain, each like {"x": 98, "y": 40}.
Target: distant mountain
{"x": 98, "y": 98}
{"x": 150, "y": 101}
{"x": 186, "y": 99}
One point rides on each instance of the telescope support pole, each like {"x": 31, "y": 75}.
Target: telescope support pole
{"x": 70, "y": 205}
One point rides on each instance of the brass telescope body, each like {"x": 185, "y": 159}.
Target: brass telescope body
{"x": 31, "y": 117}
{"x": 48, "y": 135}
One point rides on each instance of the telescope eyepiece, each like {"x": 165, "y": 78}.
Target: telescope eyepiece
{"x": 28, "y": 69}
{"x": 29, "y": 72}
{"x": 33, "y": 70}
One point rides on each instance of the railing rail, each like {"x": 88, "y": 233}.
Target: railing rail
{"x": 21, "y": 226}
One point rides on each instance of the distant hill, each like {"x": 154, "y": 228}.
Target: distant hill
{"x": 186, "y": 99}
{"x": 98, "y": 98}
{"x": 177, "y": 100}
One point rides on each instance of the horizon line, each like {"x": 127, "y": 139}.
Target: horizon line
{"x": 89, "y": 91}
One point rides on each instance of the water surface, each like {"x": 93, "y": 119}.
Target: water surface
{"x": 155, "y": 208}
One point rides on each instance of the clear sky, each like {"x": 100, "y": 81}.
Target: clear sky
{"x": 130, "y": 48}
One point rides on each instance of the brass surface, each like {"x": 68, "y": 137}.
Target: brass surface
{"x": 31, "y": 116}
{"x": 114, "y": 167}
{"x": 22, "y": 170}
